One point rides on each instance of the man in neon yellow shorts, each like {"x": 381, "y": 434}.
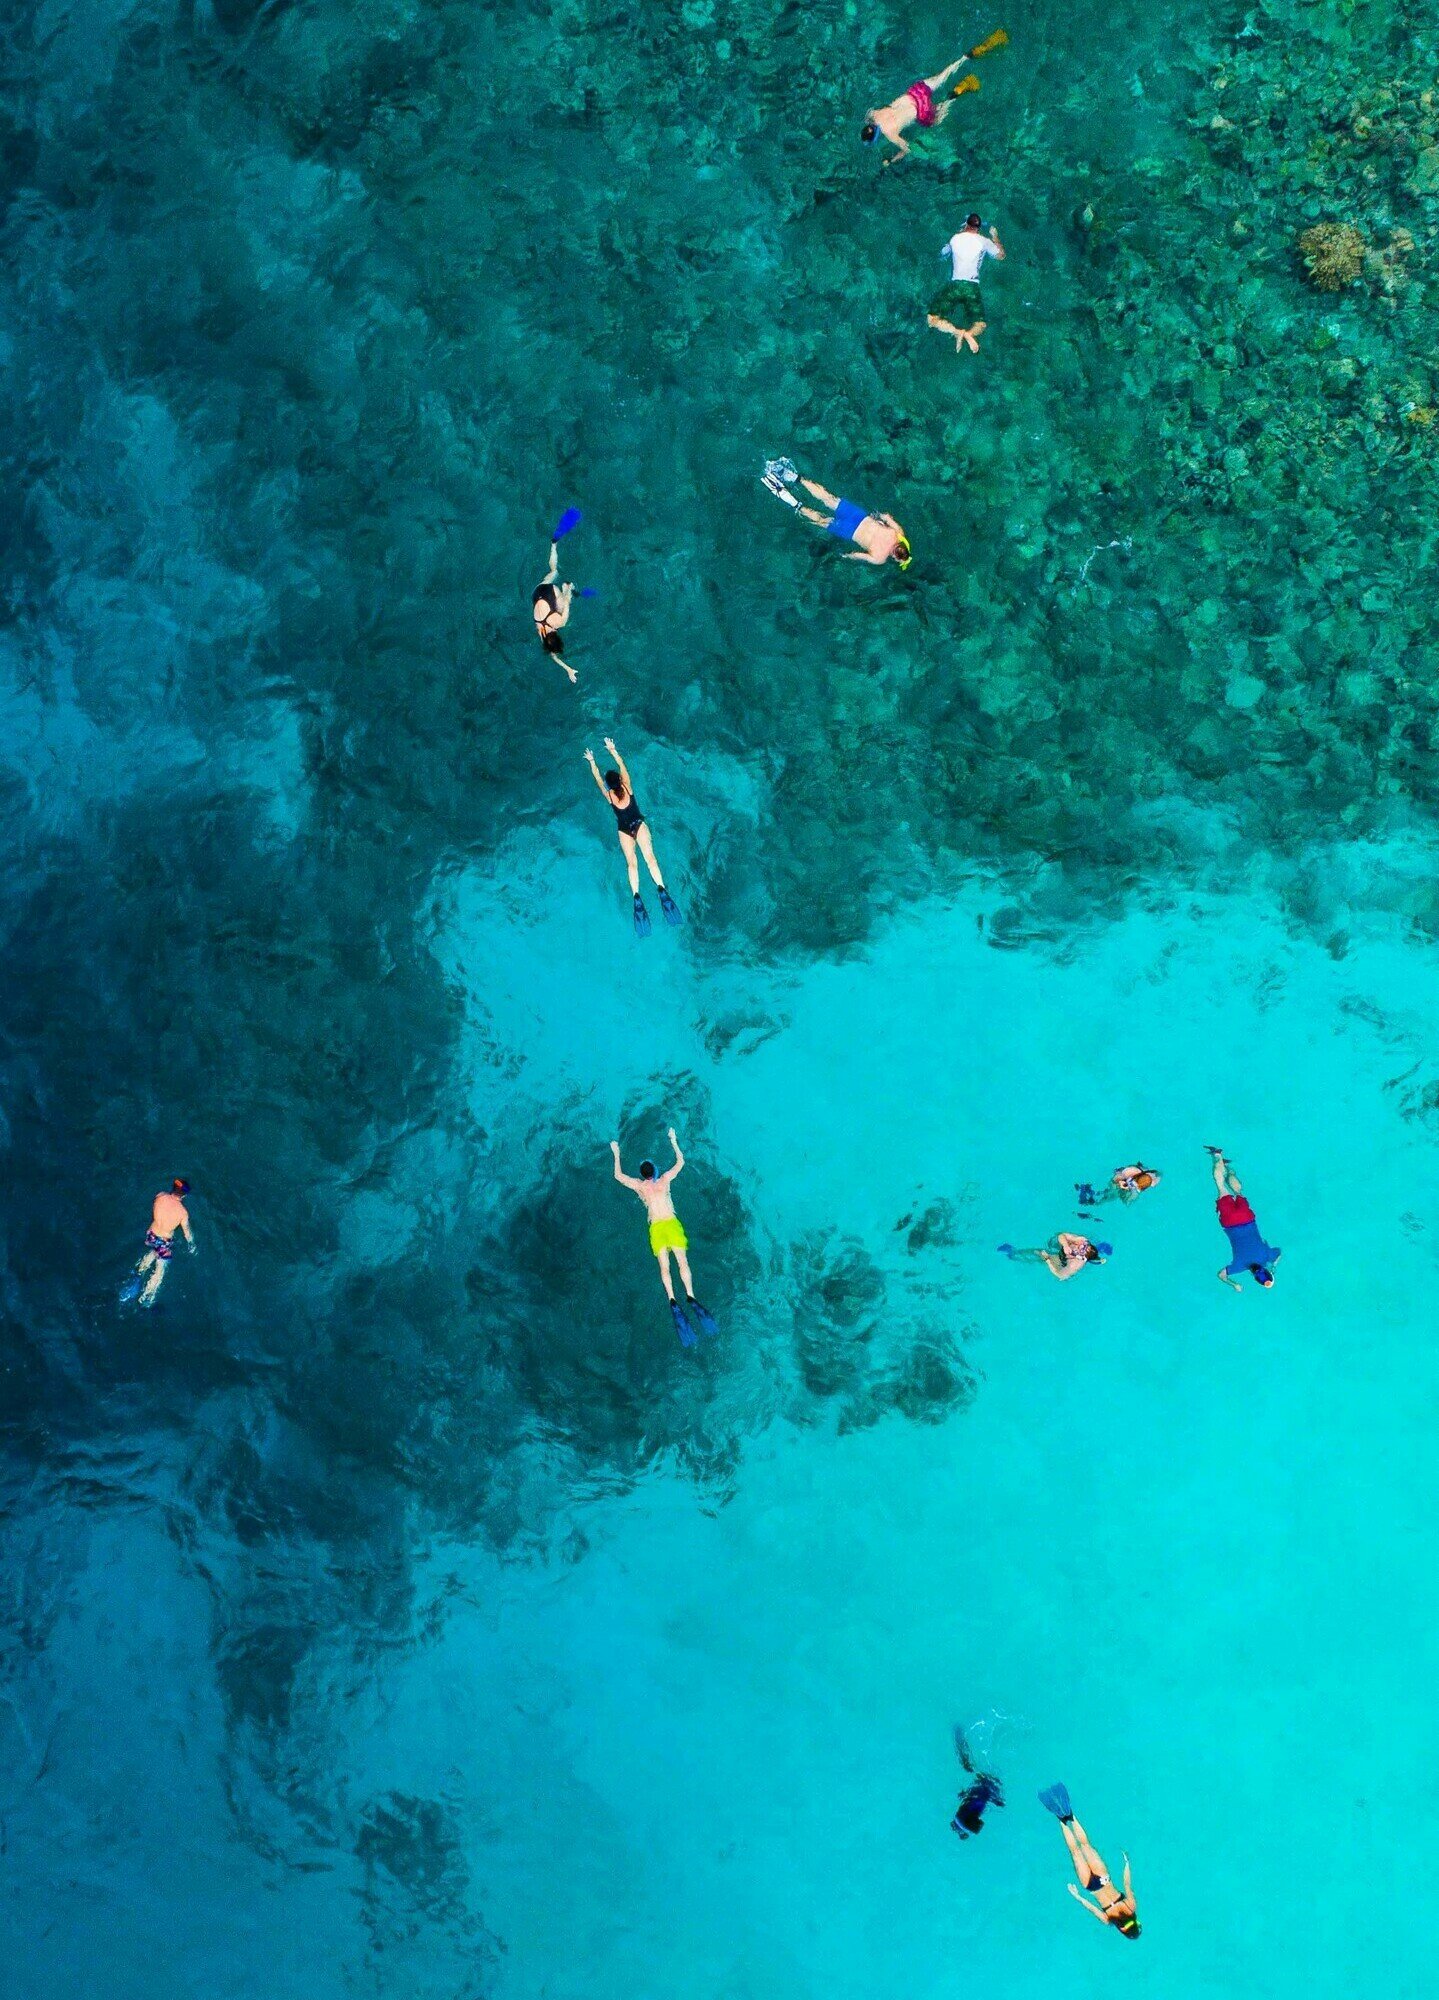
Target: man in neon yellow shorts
{"x": 667, "y": 1237}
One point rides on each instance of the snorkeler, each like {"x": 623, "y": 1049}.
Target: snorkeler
{"x": 879, "y": 536}
{"x": 1125, "y": 1184}
{"x": 667, "y": 1237}
{"x": 1066, "y": 1255}
{"x": 969, "y": 1814}
{"x": 551, "y": 605}
{"x": 966, "y": 251}
{"x": 634, "y": 834}
{"x": 168, "y": 1215}
{"x": 917, "y": 105}
{"x": 1114, "y": 1909}
{"x": 1248, "y": 1250}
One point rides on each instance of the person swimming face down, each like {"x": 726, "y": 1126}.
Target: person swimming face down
{"x": 615, "y": 786}
{"x": 1262, "y": 1275}
{"x": 647, "y": 1170}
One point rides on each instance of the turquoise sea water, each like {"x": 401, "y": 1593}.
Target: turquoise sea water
{"x": 397, "y": 1609}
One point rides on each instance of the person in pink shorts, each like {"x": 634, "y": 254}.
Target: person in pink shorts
{"x": 915, "y": 107}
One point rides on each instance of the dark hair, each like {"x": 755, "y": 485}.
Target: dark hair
{"x": 1262, "y": 1274}
{"x": 647, "y": 1170}
{"x": 553, "y": 642}
{"x": 973, "y": 222}
{"x": 1130, "y": 1928}
{"x": 869, "y": 133}
{"x": 615, "y": 782}
{"x": 179, "y": 1186}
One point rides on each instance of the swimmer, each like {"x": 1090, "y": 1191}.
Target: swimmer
{"x": 634, "y": 837}
{"x": 168, "y": 1215}
{"x": 1066, "y": 1255}
{"x": 879, "y": 536}
{"x": 1125, "y": 1184}
{"x": 667, "y": 1237}
{"x": 917, "y": 105}
{"x": 966, "y": 251}
{"x": 1118, "y": 1911}
{"x": 1249, "y": 1251}
{"x": 969, "y": 1814}
{"x": 551, "y": 607}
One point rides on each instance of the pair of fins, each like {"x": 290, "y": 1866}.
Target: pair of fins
{"x": 778, "y": 476}
{"x": 1055, "y": 1799}
{"x": 669, "y": 906}
{"x": 704, "y": 1319}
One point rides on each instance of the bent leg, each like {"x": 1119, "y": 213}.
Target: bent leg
{"x": 627, "y": 847}
{"x": 647, "y": 849}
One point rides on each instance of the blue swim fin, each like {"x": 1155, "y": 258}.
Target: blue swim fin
{"x": 704, "y": 1318}
{"x": 589, "y": 591}
{"x": 670, "y": 907}
{"x": 571, "y": 518}
{"x": 1087, "y": 1196}
{"x": 642, "y": 918}
{"x": 130, "y": 1290}
{"x": 1006, "y": 1249}
{"x": 1056, "y": 1800}
{"x": 682, "y": 1326}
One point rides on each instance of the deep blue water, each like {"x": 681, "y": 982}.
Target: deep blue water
{"x": 397, "y": 1609}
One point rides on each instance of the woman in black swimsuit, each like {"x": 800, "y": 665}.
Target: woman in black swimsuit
{"x": 634, "y": 836}
{"x": 551, "y": 607}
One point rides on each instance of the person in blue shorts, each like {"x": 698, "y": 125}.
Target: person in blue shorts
{"x": 1247, "y": 1249}
{"x": 877, "y": 536}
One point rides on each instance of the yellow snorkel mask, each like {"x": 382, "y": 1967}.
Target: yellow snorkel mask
{"x": 903, "y": 554}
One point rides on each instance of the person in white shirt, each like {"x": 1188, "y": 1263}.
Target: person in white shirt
{"x": 960, "y": 299}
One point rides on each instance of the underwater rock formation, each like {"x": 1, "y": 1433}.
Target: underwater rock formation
{"x": 1333, "y": 254}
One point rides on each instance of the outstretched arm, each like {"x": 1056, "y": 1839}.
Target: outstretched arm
{"x": 998, "y": 250}
{"x": 595, "y": 772}
{"x": 554, "y": 568}
{"x": 1225, "y": 1279}
{"x": 866, "y": 555}
{"x": 679, "y": 1156}
{"x": 624, "y": 1179}
{"x": 620, "y": 764}
{"x": 1128, "y": 1885}
{"x": 901, "y": 147}
{"x": 1084, "y": 1903}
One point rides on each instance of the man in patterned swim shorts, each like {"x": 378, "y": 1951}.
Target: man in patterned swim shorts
{"x": 916, "y": 106}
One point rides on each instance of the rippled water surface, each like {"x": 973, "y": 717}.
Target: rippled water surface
{"x": 397, "y": 1609}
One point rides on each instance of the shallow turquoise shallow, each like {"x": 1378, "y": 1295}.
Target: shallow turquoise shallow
{"x": 398, "y": 1610}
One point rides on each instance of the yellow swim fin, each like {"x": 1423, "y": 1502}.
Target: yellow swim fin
{"x": 991, "y": 42}
{"x": 966, "y": 83}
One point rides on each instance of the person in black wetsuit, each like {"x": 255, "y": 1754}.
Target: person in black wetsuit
{"x": 634, "y": 836}
{"x": 969, "y": 1815}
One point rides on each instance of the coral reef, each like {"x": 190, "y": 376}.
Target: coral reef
{"x": 1333, "y": 253}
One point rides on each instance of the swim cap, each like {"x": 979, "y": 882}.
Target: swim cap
{"x": 179, "y": 1187}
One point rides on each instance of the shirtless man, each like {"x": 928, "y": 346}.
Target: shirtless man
{"x": 168, "y": 1215}
{"x": 879, "y": 536}
{"x": 667, "y": 1237}
{"x": 1067, "y": 1255}
{"x": 916, "y": 105}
